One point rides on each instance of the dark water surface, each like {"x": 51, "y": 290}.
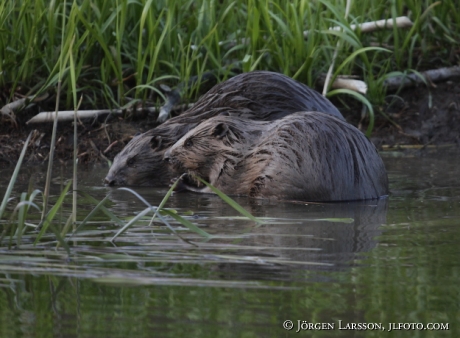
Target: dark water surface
{"x": 396, "y": 261}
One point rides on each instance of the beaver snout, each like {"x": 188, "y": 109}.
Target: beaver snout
{"x": 167, "y": 156}
{"x": 109, "y": 181}
{"x": 171, "y": 160}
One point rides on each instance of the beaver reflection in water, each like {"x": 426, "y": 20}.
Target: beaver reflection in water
{"x": 258, "y": 95}
{"x": 306, "y": 156}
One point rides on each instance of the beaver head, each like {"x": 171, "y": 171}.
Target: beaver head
{"x": 212, "y": 148}
{"x": 133, "y": 165}
{"x": 141, "y": 162}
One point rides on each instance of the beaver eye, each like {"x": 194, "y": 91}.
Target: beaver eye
{"x": 188, "y": 143}
{"x": 130, "y": 162}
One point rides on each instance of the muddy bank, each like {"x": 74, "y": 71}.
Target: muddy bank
{"x": 421, "y": 116}
{"x": 414, "y": 117}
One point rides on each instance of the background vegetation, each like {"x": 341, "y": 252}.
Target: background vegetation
{"x": 120, "y": 51}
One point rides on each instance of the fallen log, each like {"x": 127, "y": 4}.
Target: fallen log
{"x": 67, "y": 115}
{"x": 426, "y": 77}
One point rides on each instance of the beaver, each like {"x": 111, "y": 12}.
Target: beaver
{"x": 305, "y": 156}
{"x": 257, "y": 95}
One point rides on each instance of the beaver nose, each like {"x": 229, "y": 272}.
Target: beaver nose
{"x": 109, "y": 181}
{"x": 167, "y": 156}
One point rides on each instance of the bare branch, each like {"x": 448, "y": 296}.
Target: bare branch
{"x": 368, "y": 27}
{"x": 434, "y": 75}
{"x": 67, "y": 115}
{"x": 11, "y": 107}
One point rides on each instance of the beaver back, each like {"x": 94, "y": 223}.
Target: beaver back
{"x": 306, "y": 156}
{"x": 258, "y": 95}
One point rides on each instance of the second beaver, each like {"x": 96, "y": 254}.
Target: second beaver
{"x": 306, "y": 156}
{"x": 258, "y": 95}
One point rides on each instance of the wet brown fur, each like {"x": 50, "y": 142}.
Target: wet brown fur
{"x": 258, "y": 95}
{"x": 306, "y": 156}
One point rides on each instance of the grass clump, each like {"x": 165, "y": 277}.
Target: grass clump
{"x": 122, "y": 50}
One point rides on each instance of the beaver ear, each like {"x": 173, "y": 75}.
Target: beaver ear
{"x": 220, "y": 130}
{"x": 155, "y": 142}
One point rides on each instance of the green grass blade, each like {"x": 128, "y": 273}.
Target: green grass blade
{"x": 22, "y": 211}
{"x": 154, "y": 209}
{"x": 336, "y": 220}
{"x": 186, "y": 223}
{"x": 131, "y": 222}
{"x": 356, "y": 53}
{"x": 230, "y": 201}
{"x": 360, "y": 97}
{"x": 9, "y": 189}
{"x": 168, "y": 194}
{"x": 100, "y": 206}
{"x": 50, "y": 215}
{"x": 166, "y": 198}
{"x": 67, "y": 225}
